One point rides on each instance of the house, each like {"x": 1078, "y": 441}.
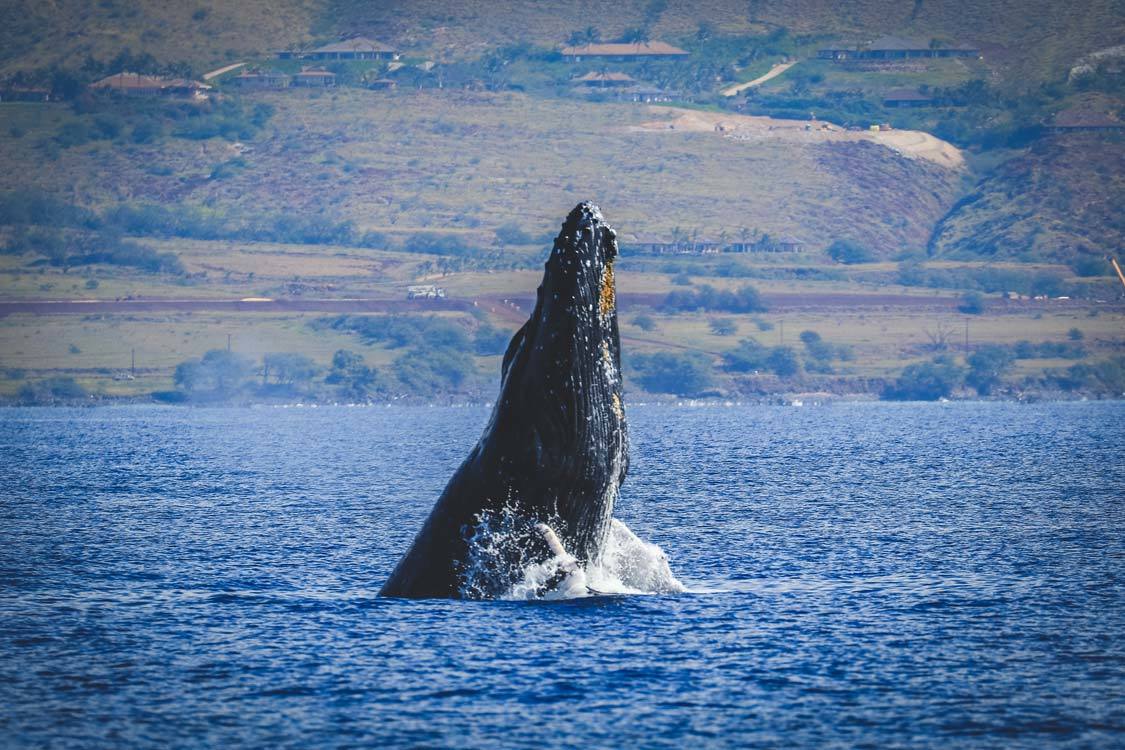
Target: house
{"x": 896, "y": 48}
{"x": 355, "y": 48}
{"x": 907, "y": 98}
{"x": 315, "y": 78}
{"x": 624, "y": 51}
{"x": 1084, "y": 118}
{"x": 13, "y": 93}
{"x": 647, "y": 94}
{"x": 641, "y": 244}
{"x": 261, "y": 79}
{"x": 788, "y": 244}
{"x": 605, "y": 80}
{"x": 135, "y": 84}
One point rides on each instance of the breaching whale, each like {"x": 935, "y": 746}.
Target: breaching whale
{"x": 555, "y": 451}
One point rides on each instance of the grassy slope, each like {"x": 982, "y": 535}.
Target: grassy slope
{"x": 451, "y": 159}
{"x": 1066, "y": 192}
{"x": 36, "y": 34}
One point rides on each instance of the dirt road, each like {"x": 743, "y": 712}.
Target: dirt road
{"x": 774, "y": 72}
{"x": 913, "y": 144}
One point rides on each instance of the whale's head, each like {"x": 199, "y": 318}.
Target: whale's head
{"x": 560, "y": 414}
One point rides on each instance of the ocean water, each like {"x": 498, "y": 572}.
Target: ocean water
{"x": 857, "y": 575}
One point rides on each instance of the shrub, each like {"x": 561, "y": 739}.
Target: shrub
{"x": 1088, "y": 266}
{"x": 513, "y": 234}
{"x": 1075, "y": 334}
{"x": 846, "y": 251}
{"x": 971, "y": 303}
{"x": 723, "y": 327}
{"x": 645, "y": 322}
{"x": 429, "y": 370}
{"x": 439, "y": 244}
{"x": 51, "y": 390}
{"x": 489, "y": 341}
{"x": 706, "y": 297}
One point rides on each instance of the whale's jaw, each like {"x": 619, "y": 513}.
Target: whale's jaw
{"x": 556, "y": 448}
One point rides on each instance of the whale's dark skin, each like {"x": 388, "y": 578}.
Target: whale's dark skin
{"x": 556, "y": 447}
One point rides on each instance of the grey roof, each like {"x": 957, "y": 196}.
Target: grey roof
{"x": 355, "y": 44}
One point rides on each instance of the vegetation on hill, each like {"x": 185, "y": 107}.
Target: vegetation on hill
{"x": 1060, "y": 200}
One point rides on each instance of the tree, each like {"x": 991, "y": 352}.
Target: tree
{"x": 637, "y": 35}
{"x": 748, "y": 356}
{"x": 219, "y": 372}
{"x": 645, "y": 323}
{"x": 680, "y": 374}
{"x": 288, "y": 368}
{"x": 352, "y": 376}
{"x": 986, "y": 366}
{"x": 513, "y": 234}
{"x": 926, "y": 381}
{"x": 1075, "y": 334}
{"x": 782, "y": 360}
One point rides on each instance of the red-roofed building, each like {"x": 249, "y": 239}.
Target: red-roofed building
{"x": 624, "y": 51}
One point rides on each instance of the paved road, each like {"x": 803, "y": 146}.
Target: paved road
{"x": 521, "y": 303}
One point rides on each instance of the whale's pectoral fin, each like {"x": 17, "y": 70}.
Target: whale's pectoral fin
{"x": 567, "y": 563}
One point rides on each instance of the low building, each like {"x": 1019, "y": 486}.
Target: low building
{"x": 135, "y": 84}
{"x": 623, "y": 51}
{"x": 262, "y": 79}
{"x": 647, "y": 94}
{"x": 315, "y": 78}
{"x": 788, "y": 244}
{"x": 641, "y": 244}
{"x": 355, "y": 48}
{"x": 896, "y": 48}
{"x": 384, "y": 84}
{"x": 605, "y": 80}
{"x": 425, "y": 291}
{"x": 12, "y": 93}
{"x": 907, "y": 98}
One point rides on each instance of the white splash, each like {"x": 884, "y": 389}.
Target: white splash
{"x": 628, "y": 565}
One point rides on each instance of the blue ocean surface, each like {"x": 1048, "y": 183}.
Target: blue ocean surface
{"x": 859, "y": 575}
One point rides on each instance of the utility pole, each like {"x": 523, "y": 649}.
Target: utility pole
{"x": 228, "y": 342}
{"x": 781, "y": 332}
{"x": 133, "y": 362}
{"x": 966, "y": 336}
